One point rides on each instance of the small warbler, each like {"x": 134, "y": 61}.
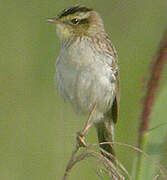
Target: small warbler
{"x": 87, "y": 69}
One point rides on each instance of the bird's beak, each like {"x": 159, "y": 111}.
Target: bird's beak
{"x": 52, "y": 20}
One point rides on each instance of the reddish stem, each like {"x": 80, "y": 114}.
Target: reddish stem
{"x": 152, "y": 86}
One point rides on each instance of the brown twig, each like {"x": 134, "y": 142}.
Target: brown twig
{"x": 111, "y": 168}
{"x": 152, "y": 86}
{"x": 115, "y": 160}
{"x": 161, "y": 169}
{"x": 70, "y": 163}
{"x": 107, "y": 163}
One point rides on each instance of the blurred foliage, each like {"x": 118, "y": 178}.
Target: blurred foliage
{"x": 37, "y": 130}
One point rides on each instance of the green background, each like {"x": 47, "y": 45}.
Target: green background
{"x": 37, "y": 130}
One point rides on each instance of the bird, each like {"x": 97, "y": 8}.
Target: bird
{"x": 87, "y": 72}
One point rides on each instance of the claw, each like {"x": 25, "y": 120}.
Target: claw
{"x": 81, "y": 139}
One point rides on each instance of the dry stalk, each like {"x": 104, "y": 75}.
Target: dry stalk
{"x": 115, "y": 160}
{"x": 110, "y": 167}
{"x": 161, "y": 169}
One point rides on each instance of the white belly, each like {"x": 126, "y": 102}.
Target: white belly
{"x": 87, "y": 86}
{"x": 86, "y": 79}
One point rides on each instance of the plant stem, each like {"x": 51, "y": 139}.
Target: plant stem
{"x": 158, "y": 64}
{"x": 140, "y": 158}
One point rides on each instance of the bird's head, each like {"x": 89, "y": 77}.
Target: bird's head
{"x": 77, "y": 21}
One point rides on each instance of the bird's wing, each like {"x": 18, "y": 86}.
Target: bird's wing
{"x": 115, "y": 105}
{"x": 111, "y": 51}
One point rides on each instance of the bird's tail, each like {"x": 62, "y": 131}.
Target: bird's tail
{"x": 105, "y": 132}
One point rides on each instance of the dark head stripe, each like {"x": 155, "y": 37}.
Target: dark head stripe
{"x": 72, "y": 10}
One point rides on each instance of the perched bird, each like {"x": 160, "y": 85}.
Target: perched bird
{"x": 87, "y": 69}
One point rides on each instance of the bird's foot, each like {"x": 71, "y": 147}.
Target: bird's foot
{"x": 81, "y": 139}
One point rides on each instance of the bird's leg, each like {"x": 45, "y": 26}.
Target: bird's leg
{"x": 80, "y": 143}
{"x": 81, "y": 135}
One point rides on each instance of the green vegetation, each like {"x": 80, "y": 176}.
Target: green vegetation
{"x": 37, "y": 130}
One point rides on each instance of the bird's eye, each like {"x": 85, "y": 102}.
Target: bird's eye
{"x": 75, "y": 21}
